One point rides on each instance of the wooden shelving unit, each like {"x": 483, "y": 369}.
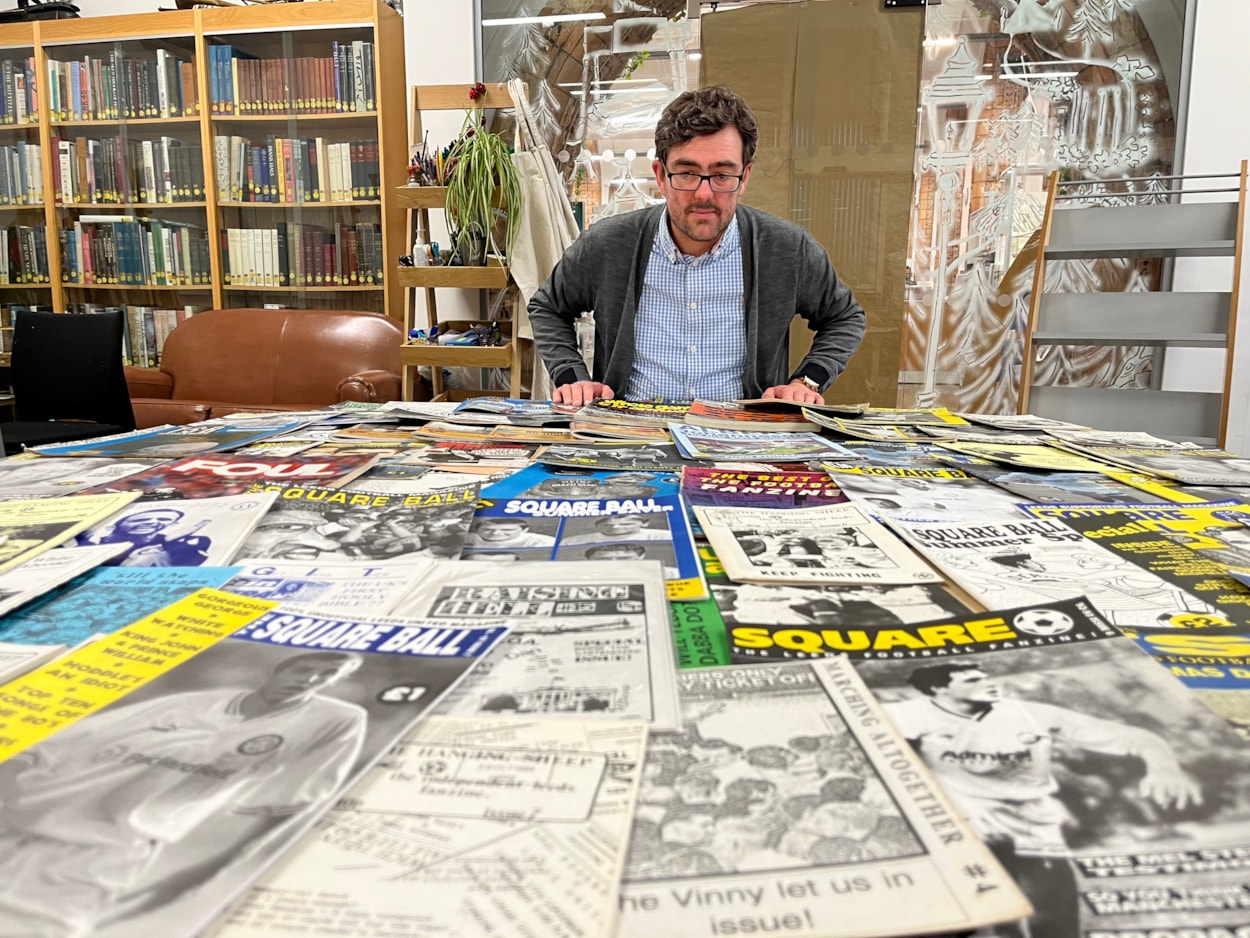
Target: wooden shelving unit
{"x": 417, "y": 201}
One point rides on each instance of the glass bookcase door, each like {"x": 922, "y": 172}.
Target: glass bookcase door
{"x": 127, "y": 182}
{"x": 297, "y": 167}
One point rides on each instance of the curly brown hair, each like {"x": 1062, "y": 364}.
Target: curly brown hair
{"x": 701, "y": 112}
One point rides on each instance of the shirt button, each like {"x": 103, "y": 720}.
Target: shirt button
{"x": 694, "y": 393}
{"x": 692, "y": 350}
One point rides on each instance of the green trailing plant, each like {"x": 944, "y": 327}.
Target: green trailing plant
{"x": 482, "y": 178}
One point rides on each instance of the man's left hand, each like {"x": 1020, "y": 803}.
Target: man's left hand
{"x": 795, "y": 391}
{"x": 1169, "y": 787}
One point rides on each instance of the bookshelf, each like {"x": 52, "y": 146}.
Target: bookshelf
{"x": 187, "y": 160}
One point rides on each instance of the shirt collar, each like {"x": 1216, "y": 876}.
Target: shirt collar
{"x": 668, "y": 248}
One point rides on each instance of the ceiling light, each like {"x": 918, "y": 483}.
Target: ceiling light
{"x": 695, "y": 56}
{"x": 544, "y": 20}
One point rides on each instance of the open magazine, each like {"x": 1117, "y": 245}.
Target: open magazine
{"x": 788, "y": 805}
{"x": 49, "y": 570}
{"x": 161, "y": 800}
{"x": 1096, "y": 778}
{"x": 833, "y": 544}
{"x": 588, "y": 638}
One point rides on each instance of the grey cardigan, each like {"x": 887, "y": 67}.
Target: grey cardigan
{"x": 784, "y": 272}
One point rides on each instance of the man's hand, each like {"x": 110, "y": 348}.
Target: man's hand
{"x": 1170, "y": 787}
{"x": 795, "y": 391}
{"x": 582, "y": 392}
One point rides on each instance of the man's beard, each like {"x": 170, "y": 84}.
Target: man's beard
{"x": 682, "y": 223}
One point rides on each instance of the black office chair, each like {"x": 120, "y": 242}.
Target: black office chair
{"x": 68, "y": 379}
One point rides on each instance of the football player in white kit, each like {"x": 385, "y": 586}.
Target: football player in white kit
{"x": 86, "y": 814}
{"x": 992, "y": 755}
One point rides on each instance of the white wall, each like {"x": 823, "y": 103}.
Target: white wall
{"x": 1217, "y": 140}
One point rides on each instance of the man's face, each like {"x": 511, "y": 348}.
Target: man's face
{"x": 691, "y": 831}
{"x": 300, "y": 680}
{"x": 974, "y": 687}
{"x": 286, "y": 537}
{"x": 495, "y": 532}
{"x": 616, "y": 552}
{"x": 619, "y": 525}
{"x": 700, "y": 217}
{"x": 147, "y": 523}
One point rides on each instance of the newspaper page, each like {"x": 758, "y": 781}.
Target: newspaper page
{"x": 1189, "y": 466}
{"x": 1006, "y": 562}
{"x": 789, "y": 805}
{"x": 587, "y": 637}
{"x": 618, "y": 529}
{"x": 148, "y": 816}
{"x": 29, "y": 527}
{"x": 734, "y": 445}
{"x": 1036, "y": 456}
{"x": 48, "y": 571}
{"x": 833, "y": 544}
{"x": 467, "y": 829}
{"x": 29, "y": 476}
{"x": 1022, "y": 422}
{"x": 915, "y": 416}
{"x": 340, "y": 586}
{"x": 920, "y": 493}
{"x": 1099, "y": 781}
{"x": 187, "y": 532}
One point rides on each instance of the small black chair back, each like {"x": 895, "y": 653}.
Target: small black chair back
{"x": 68, "y": 366}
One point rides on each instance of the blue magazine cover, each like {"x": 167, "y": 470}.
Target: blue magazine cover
{"x": 104, "y": 600}
{"x": 649, "y": 527}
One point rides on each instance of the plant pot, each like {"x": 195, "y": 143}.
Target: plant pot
{"x": 475, "y": 251}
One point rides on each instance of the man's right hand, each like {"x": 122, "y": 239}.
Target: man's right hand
{"x": 582, "y": 392}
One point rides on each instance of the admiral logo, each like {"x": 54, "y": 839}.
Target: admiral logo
{"x": 260, "y": 745}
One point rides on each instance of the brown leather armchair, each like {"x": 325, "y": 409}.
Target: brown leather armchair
{"x": 224, "y": 361}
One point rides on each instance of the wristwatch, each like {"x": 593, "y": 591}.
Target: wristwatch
{"x": 806, "y": 382}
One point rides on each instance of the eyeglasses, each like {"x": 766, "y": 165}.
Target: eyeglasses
{"x": 718, "y": 182}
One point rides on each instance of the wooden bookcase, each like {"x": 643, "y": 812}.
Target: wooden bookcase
{"x": 167, "y": 104}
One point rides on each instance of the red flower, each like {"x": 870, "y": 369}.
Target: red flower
{"x": 477, "y": 91}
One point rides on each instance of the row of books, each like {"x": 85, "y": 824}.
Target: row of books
{"x": 113, "y": 171}
{"x": 131, "y": 250}
{"x": 303, "y": 255}
{"x": 24, "y": 254}
{"x": 147, "y": 327}
{"x": 303, "y": 169}
{"x": 112, "y": 87}
{"x": 19, "y": 102}
{"x": 344, "y": 81}
{"x": 21, "y": 174}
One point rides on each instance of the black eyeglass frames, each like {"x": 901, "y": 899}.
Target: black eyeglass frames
{"x": 718, "y": 182}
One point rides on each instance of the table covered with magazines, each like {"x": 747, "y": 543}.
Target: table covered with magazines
{"x": 508, "y": 668}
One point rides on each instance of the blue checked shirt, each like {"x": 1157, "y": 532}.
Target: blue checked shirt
{"x": 690, "y": 330}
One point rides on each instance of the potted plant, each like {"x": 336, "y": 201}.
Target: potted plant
{"x": 482, "y": 178}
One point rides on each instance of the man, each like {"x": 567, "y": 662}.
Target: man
{"x": 149, "y": 546}
{"x": 86, "y": 814}
{"x": 504, "y": 533}
{"x": 289, "y": 534}
{"x": 621, "y": 528}
{"x": 694, "y": 298}
{"x": 992, "y": 755}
